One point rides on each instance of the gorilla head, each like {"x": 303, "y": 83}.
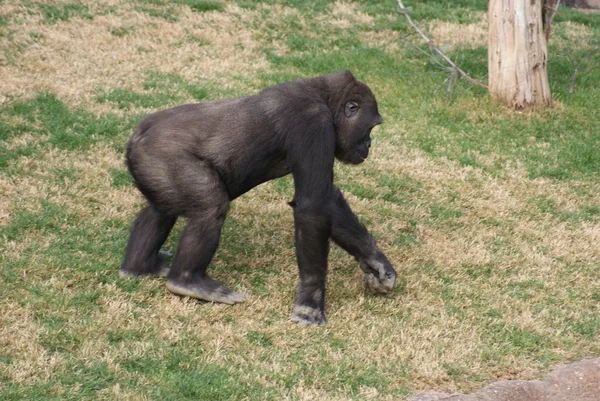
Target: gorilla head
{"x": 356, "y": 116}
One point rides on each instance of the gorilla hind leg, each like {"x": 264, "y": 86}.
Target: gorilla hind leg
{"x": 197, "y": 246}
{"x": 148, "y": 233}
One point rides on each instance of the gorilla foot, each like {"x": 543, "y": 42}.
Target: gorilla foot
{"x": 161, "y": 268}
{"x": 204, "y": 288}
{"x": 307, "y": 315}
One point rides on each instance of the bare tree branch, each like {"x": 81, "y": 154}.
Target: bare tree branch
{"x": 451, "y": 82}
{"x": 431, "y": 45}
{"x": 578, "y": 69}
{"x": 553, "y": 5}
{"x": 572, "y": 86}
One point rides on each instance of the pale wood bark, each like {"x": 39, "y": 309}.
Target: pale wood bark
{"x": 517, "y": 54}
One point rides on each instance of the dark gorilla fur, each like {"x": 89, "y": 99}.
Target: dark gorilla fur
{"x": 193, "y": 160}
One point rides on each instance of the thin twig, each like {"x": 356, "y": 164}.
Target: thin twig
{"x": 572, "y": 86}
{"x": 451, "y": 83}
{"x": 432, "y": 45}
{"x": 578, "y": 69}
{"x": 554, "y": 7}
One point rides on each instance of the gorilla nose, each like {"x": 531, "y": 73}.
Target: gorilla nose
{"x": 369, "y": 143}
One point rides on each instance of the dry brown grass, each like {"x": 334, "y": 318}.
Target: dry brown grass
{"x": 410, "y": 337}
{"x": 91, "y": 195}
{"x": 568, "y": 33}
{"x": 78, "y": 58}
{"x": 498, "y": 198}
{"x": 444, "y": 339}
{"x": 386, "y": 39}
{"x": 443, "y": 33}
{"x": 19, "y": 334}
{"x": 7, "y": 194}
{"x": 460, "y": 35}
{"x": 345, "y": 15}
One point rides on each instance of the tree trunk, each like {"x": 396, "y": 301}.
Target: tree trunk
{"x": 517, "y": 54}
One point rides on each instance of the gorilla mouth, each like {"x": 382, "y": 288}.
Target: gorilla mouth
{"x": 361, "y": 157}
{"x": 356, "y": 159}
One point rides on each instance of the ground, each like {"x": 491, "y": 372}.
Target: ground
{"x": 491, "y": 217}
{"x": 579, "y": 381}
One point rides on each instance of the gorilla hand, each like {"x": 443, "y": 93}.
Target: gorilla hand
{"x": 380, "y": 275}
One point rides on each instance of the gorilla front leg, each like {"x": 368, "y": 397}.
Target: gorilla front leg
{"x": 197, "y": 246}
{"x": 312, "y": 248}
{"x": 353, "y": 237}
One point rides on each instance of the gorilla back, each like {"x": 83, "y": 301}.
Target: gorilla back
{"x": 193, "y": 160}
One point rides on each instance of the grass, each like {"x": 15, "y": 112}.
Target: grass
{"x": 491, "y": 217}
{"x": 63, "y": 12}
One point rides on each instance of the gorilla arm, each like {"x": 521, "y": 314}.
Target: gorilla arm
{"x": 348, "y": 232}
{"x": 311, "y": 163}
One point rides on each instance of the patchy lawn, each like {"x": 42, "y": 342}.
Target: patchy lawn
{"x": 492, "y": 218}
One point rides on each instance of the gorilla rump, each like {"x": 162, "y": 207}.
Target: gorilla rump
{"x": 193, "y": 160}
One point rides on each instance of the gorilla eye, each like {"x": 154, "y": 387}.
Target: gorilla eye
{"x": 351, "y": 109}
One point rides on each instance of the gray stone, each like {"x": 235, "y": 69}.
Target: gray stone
{"x": 579, "y": 381}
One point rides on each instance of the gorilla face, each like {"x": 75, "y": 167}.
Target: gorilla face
{"x": 353, "y": 131}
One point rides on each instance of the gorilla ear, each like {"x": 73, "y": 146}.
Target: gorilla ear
{"x": 348, "y": 76}
{"x": 351, "y": 109}
{"x": 339, "y": 82}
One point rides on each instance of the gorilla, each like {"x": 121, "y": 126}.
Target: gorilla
{"x": 193, "y": 160}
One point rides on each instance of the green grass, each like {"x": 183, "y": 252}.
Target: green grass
{"x": 491, "y": 217}
{"x": 169, "y": 83}
{"x": 164, "y": 12}
{"x": 3, "y": 20}
{"x": 63, "y": 12}
{"x": 55, "y": 125}
{"x": 121, "y": 31}
{"x": 120, "y": 178}
{"x": 125, "y": 98}
{"x": 202, "y": 5}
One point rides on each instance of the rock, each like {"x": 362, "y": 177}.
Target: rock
{"x": 579, "y": 381}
